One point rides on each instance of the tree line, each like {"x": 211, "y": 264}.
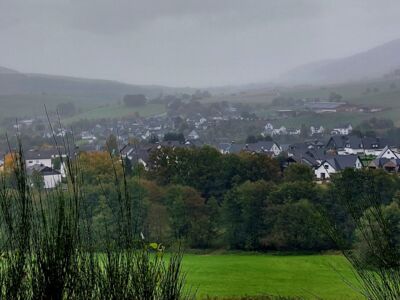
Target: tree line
{"x": 237, "y": 201}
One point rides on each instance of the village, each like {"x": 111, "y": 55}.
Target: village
{"x": 342, "y": 150}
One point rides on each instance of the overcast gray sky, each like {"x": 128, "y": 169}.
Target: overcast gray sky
{"x": 187, "y": 42}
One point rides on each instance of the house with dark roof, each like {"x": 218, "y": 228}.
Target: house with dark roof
{"x": 336, "y": 164}
{"x": 345, "y": 145}
{"x": 138, "y": 153}
{"x": 312, "y": 157}
{"x": 45, "y": 157}
{"x": 51, "y": 177}
{"x": 387, "y": 160}
{"x": 263, "y": 147}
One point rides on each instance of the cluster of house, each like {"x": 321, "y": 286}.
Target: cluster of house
{"x": 322, "y": 107}
{"x": 269, "y": 130}
{"x": 342, "y": 152}
{"x": 325, "y": 158}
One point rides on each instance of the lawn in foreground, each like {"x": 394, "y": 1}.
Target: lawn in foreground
{"x": 309, "y": 276}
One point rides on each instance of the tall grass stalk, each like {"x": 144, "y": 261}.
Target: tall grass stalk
{"x": 382, "y": 280}
{"x": 46, "y": 246}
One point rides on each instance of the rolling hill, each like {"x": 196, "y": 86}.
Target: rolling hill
{"x": 370, "y": 64}
{"x": 24, "y": 95}
{"x": 13, "y": 82}
{"x": 7, "y": 71}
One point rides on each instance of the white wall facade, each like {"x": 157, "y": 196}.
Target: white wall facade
{"x": 324, "y": 171}
{"x": 51, "y": 181}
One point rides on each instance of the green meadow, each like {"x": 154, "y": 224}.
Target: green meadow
{"x": 306, "y": 276}
{"x": 118, "y": 111}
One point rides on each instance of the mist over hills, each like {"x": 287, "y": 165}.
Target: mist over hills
{"x": 370, "y": 64}
{"x": 16, "y": 83}
{"x": 7, "y": 71}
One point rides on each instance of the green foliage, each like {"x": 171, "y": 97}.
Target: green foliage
{"x": 49, "y": 247}
{"x": 390, "y": 248}
{"x": 243, "y": 214}
{"x": 112, "y": 145}
{"x": 37, "y": 180}
{"x": 294, "y": 226}
{"x": 56, "y": 162}
{"x": 376, "y": 262}
{"x": 298, "y": 172}
{"x": 172, "y": 136}
{"x": 209, "y": 171}
{"x": 189, "y": 219}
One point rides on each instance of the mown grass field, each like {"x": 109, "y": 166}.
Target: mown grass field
{"x": 308, "y": 276}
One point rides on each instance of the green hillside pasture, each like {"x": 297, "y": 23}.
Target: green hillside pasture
{"x": 250, "y": 98}
{"x": 27, "y": 106}
{"x": 350, "y": 91}
{"x": 331, "y": 120}
{"x": 311, "y": 277}
{"x": 118, "y": 111}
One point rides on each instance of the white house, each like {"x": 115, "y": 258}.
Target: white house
{"x": 346, "y": 130}
{"x": 279, "y": 131}
{"x": 51, "y": 177}
{"x": 44, "y": 158}
{"x": 193, "y": 135}
{"x": 268, "y": 127}
{"x": 388, "y": 153}
{"x": 336, "y": 164}
{"x": 317, "y": 130}
{"x": 87, "y": 136}
{"x": 294, "y": 131}
{"x": 387, "y": 160}
{"x": 345, "y": 145}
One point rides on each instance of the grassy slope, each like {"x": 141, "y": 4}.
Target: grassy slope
{"x": 26, "y": 106}
{"x": 117, "y": 110}
{"x": 239, "y": 274}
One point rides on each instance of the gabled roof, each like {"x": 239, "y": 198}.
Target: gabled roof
{"x": 355, "y": 142}
{"x": 304, "y": 158}
{"x": 341, "y": 162}
{"x": 259, "y": 147}
{"x": 384, "y": 151}
{"x": 43, "y": 170}
{"x": 137, "y": 152}
{"x": 337, "y": 141}
{"x": 262, "y": 146}
{"x": 383, "y": 162}
{"x": 41, "y": 154}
